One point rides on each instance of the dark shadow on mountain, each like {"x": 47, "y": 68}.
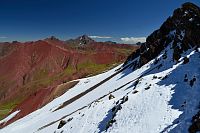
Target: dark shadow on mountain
{"x": 156, "y": 66}
{"x": 102, "y": 125}
{"x": 183, "y": 91}
{"x": 126, "y": 72}
{"x": 183, "y": 94}
{"x": 131, "y": 86}
{"x": 153, "y": 68}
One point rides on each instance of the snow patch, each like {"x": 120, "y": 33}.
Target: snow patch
{"x": 9, "y": 117}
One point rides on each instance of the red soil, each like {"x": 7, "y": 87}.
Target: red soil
{"x": 19, "y": 66}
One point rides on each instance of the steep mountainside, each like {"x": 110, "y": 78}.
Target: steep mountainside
{"x": 30, "y": 72}
{"x": 182, "y": 30}
{"x": 156, "y": 90}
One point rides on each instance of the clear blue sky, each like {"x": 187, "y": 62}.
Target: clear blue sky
{"x": 37, "y": 19}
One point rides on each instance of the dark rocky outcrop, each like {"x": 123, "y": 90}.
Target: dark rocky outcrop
{"x": 114, "y": 111}
{"x": 181, "y": 30}
{"x": 82, "y": 40}
{"x": 192, "y": 81}
{"x": 61, "y": 124}
{"x": 111, "y": 96}
{"x": 195, "y": 127}
{"x": 185, "y": 60}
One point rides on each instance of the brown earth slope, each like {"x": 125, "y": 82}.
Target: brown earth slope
{"x": 30, "y": 72}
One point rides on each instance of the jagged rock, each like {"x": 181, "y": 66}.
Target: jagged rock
{"x": 53, "y": 38}
{"x": 85, "y": 40}
{"x": 125, "y": 98}
{"x": 111, "y": 96}
{"x": 192, "y": 81}
{"x": 61, "y": 124}
{"x": 81, "y": 41}
{"x": 195, "y": 127}
{"x": 148, "y": 87}
{"x": 185, "y": 60}
{"x": 185, "y": 26}
{"x": 155, "y": 77}
{"x": 134, "y": 92}
{"x": 69, "y": 119}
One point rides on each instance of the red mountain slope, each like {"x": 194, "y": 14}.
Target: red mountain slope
{"x": 31, "y": 72}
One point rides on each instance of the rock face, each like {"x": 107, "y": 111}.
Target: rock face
{"x": 61, "y": 124}
{"x": 33, "y": 70}
{"x": 182, "y": 30}
{"x": 195, "y": 127}
{"x": 85, "y": 40}
{"x": 80, "y": 41}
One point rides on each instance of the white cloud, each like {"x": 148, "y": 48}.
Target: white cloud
{"x": 3, "y": 37}
{"x": 133, "y": 40}
{"x": 100, "y": 37}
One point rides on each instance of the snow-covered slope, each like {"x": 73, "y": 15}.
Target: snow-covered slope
{"x": 155, "y": 90}
{"x": 150, "y": 99}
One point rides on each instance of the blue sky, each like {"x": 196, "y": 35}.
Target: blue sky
{"x": 24, "y": 20}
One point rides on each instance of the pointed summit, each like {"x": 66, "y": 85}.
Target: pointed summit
{"x": 81, "y": 40}
{"x": 84, "y": 39}
{"x": 52, "y": 38}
